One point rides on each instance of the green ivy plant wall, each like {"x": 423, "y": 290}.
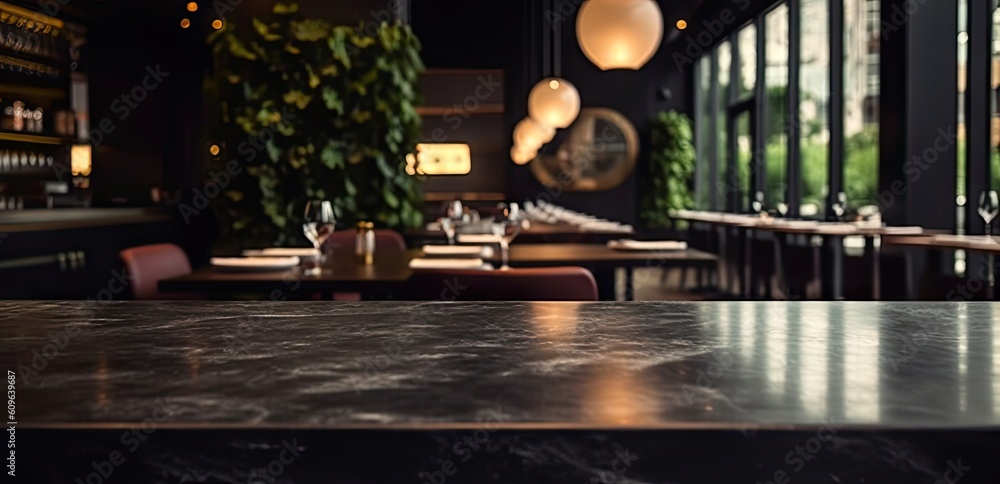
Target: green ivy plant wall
{"x": 315, "y": 111}
{"x": 671, "y": 169}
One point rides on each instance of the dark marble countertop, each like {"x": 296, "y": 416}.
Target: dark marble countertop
{"x": 373, "y": 365}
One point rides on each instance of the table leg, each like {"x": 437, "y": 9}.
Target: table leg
{"x": 630, "y": 284}
{"x": 749, "y": 267}
{"x": 605, "y": 279}
{"x": 833, "y": 270}
{"x": 741, "y": 261}
{"x": 874, "y": 257}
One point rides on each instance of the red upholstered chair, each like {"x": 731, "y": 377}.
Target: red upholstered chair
{"x": 542, "y": 284}
{"x": 147, "y": 265}
{"x": 385, "y": 240}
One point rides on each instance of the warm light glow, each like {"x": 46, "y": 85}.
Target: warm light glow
{"x": 554, "y": 103}
{"x": 214, "y": 150}
{"x": 619, "y": 34}
{"x": 80, "y": 163}
{"x": 529, "y": 134}
{"x": 192, "y": 7}
{"x": 522, "y": 156}
{"x": 440, "y": 159}
{"x": 185, "y": 23}
{"x": 216, "y": 24}
{"x": 682, "y": 24}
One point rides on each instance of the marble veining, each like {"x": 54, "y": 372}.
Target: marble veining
{"x": 725, "y": 365}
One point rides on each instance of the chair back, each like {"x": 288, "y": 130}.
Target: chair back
{"x": 147, "y": 265}
{"x": 385, "y": 240}
{"x": 541, "y": 284}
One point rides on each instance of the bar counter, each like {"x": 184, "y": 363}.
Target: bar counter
{"x": 515, "y": 392}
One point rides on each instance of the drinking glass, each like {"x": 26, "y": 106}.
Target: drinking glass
{"x": 506, "y": 229}
{"x": 782, "y": 209}
{"x": 318, "y": 223}
{"x": 448, "y": 226}
{"x": 758, "y": 202}
{"x": 840, "y": 206}
{"x": 989, "y": 206}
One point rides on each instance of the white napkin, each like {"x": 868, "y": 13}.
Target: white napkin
{"x": 478, "y": 238}
{"x": 902, "y": 230}
{"x": 283, "y": 252}
{"x": 483, "y": 251}
{"x": 422, "y": 263}
{"x": 255, "y": 262}
{"x": 648, "y": 244}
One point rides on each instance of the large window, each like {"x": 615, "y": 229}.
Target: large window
{"x": 703, "y": 191}
{"x": 795, "y": 43}
{"x": 814, "y": 88}
{"x": 862, "y": 37}
{"x": 724, "y": 57}
{"x": 776, "y": 108}
{"x": 995, "y": 131}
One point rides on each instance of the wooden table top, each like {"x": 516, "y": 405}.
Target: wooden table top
{"x": 390, "y": 270}
{"x": 977, "y": 243}
{"x": 842, "y": 229}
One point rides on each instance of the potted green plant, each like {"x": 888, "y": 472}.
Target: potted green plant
{"x": 667, "y": 185}
{"x": 314, "y": 111}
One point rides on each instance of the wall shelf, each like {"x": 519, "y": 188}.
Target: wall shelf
{"x": 494, "y": 108}
{"x": 34, "y": 138}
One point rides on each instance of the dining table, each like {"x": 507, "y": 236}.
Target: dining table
{"x": 391, "y": 391}
{"x": 390, "y": 271}
{"x": 832, "y": 235}
{"x": 539, "y": 232}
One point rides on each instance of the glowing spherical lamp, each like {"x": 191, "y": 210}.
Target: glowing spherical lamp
{"x": 619, "y": 34}
{"x": 554, "y": 103}
{"x": 531, "y": 135}
{"x": 522, "y": 156}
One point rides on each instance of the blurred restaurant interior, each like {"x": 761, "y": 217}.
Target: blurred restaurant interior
{"x": 413, "y": 213}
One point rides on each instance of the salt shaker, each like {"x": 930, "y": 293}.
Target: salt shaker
{"x": 364, "y": 245}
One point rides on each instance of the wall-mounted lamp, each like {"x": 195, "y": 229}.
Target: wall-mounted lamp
{"x": 80, "y": 162}
{"x": 440, "y": 159}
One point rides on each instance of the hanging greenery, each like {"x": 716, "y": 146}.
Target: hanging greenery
{"x": 671, "y": 169}
{"x": 313, "y": 111}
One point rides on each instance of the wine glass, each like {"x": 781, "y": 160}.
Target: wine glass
{"x": 506, "y": 229}
{"x": 758, "y": 202}
{"x": 318, "y": 222}
{"x": 839, "y": 206}
{"x": 448, "y": 226}
{"x": 782, "y": 209}
{"x": 455, "y": 210}
{"x": 989, "y": 206}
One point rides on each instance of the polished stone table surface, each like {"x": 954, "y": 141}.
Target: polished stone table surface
{"x": 563, "y": 365}
{"x": 507, "y": 392}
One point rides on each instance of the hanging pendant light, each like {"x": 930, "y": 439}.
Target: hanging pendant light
{"x": 554, "y": 102}
{"x": 522, "y": 156}
{"x": 531, "y": 135}
{"x": 619, "y": 34}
